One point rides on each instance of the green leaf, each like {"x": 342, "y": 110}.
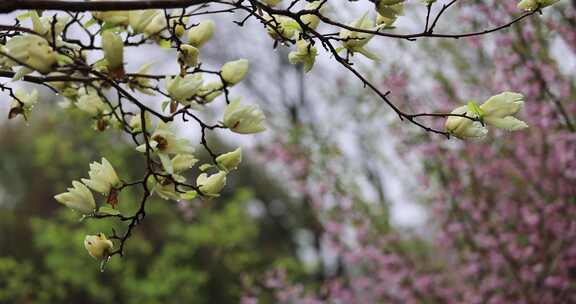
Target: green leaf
{"x": 24, "y": 16}
{"x": 165, "y": 44}
{"x": 165, "y": 105}
{"x": 474, "y": 108}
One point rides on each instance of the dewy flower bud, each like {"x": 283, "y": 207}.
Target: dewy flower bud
{"x": 188, "y": 55}
{"x": 113, "y": 47}
{"x": 33, "y": 51}
{"x": 234, "y": 71}
{"x": 98, "y": 246}
{"x": 78, "y": 198}
{"x": 91, "y": 103}
{"x": 306, "y": 54}
{"x": 230, "y": 161}
{"x": 182, "y": 89}
{"x": 212, "y": 185}
{"x": 530, "y": 5}
{"x": 465, "y": 128}
{"x": 200, "y": 34}
{"x": 103, "y": 177}
{"x": 243, "y": 119}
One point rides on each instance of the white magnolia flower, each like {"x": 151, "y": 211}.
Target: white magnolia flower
{"x": 200, "y": 34}
{"x": 165, "y": 142}
{"x": 43, "y": 25}
{"x": 230, "y": 161}
{"x": 497, "y": 111}
{"x": 355, "y": 42}
{"x": 140, "y": 20}
{"x": 211, "y": 185}
{"x": 78, "y": 198}
{"x": 113, "y": 47}
{"x": 136, "y": 122}
{"x": 465, "y": 128}
{"x": 211, "y": 90}
{"x": 33, "y": 51}
{"x": 188, "y": 55}
{"x": 312, "y": 20}
{"x": 243, "y": 119}
{"x": 183, "y": 162}
{"x": 182, "y": 89}
{"x": 305, "y": 54}
{"x": 234, "y": 71}
{"x": 90, "y": 102}
{"x": 112, "y": 17}
{"x": 98, "y": 245}
{"x": 388, "y": 13}
{"x": 166, "y": 190}
{"x": 281, "y": 27}
{"x": 103, "y": 177}
{"x": 530, "y": 5}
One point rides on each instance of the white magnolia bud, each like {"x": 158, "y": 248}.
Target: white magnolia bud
{"x": 113, "y": 47}
{"x": 33, "y": 51}
{"x": 230, "y": 161}
{"x": 497, "y": 111}
{"x": 91, "y": 103}
{"x": 98, "y": 246}
{"x": 200, "y": 34}
{"x": 312, "y": 20}
{"x": 182, "y": 89}
{"x": 211, "y": 185}
{"x": 183, "y": 162}
{"x": 165, "y": 141}
{"x": 356, "y": 41}
{"x": 305, "y": 54}
{"x": 188, "y": 55}
{"x": 103, "y": 177}
{"x": 78, "y": 198}
{"x": 234, "y": 71}
{"x": 243, "y": 119}
{"x": 465, "y": 128}
{"x": 530, "y": 5}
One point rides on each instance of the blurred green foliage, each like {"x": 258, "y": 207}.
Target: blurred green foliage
{"x": 204, "y": 255}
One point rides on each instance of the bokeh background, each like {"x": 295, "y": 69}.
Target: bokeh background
{"x": 339, "y": 201}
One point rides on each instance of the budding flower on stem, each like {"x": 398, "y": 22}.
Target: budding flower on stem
{"x": 211, "y": 185}
{"x": 312, "y": 20}
{"x": 78, "y": 198}
{"x": 497, "y": 112}
{"x": 98, "y": 246}
{"x": 230, "y": 161}
{"x": 305, "y": 54}
{"x": 32, "y": 51}
{"x": 200, "y": 34}
{"x": 388, "y": 12}
{"x": 90, "y": 102}
{"x": 355, "y": 42}
{"x": 113, "y": 47}
{"x": 243, "y": 119}
{"x": 103, "y": 177}
{"x": 182, "y": 89}
{"x": 234, "y": 71}
{"x": 530, "y": 5}
{"x": 188, "y": 55}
